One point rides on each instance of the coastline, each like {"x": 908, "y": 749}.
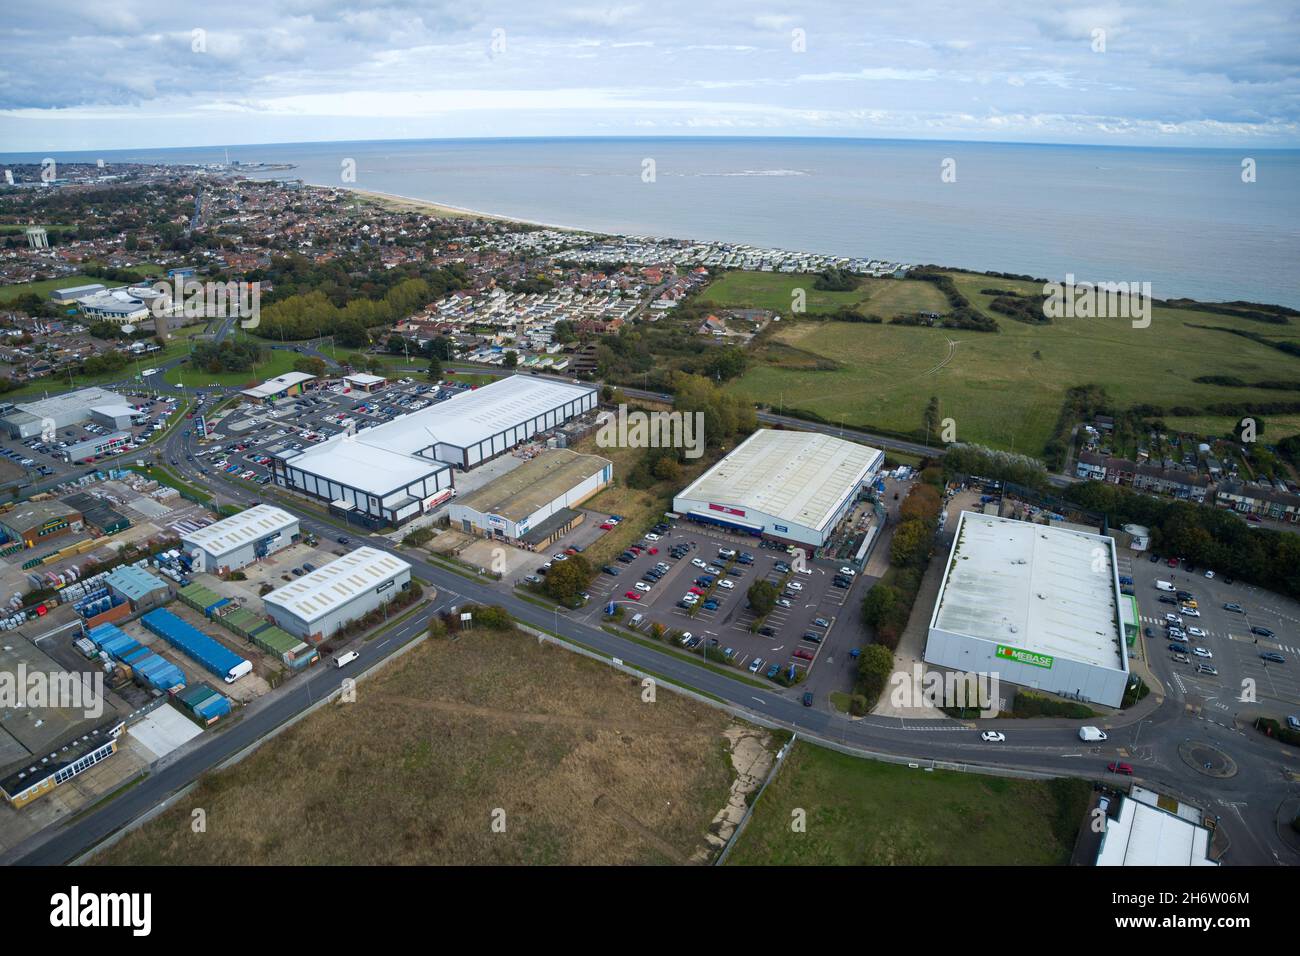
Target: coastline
{"x": 443, "y": 210}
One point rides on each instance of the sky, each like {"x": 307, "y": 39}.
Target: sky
{"x": 86, "y": 74}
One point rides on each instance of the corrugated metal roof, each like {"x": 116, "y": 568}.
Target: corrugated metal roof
{"x": 230, "y": 533}
{"x": 314, "y": 595}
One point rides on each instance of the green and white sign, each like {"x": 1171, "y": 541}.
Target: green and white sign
{"x": 1024, "y": 657}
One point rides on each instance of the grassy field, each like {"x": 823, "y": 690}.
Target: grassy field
{"x": 774, "y": 290}
{"x": 276, "y": 362}
{"x": 412, "y": 772}
{"x": 865, "y": 813}
{"x": 1006, "y": 389}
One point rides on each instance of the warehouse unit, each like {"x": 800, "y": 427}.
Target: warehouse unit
{"x": 533, "y": 504}
{"x": 138, "y": 587}
{"x": 318, "y": 604}
{"x": 1038, "y": 606}
{"x": 282, "y": 386}
{"x": 1154, "y": 829}
{"x": 36, "y": 522}
{"x": 60, "y": 411}
{"x": 96, "y": 513}
{"x": 241, "y": 539}
{"x": 390, "y": 473}
{"x": 795, "y": 487}
{"x": 216, "y": 657}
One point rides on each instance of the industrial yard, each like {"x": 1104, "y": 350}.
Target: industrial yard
{"x": 457, "y": 734}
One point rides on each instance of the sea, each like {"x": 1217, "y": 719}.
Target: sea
{"x": 1210, "y": 224}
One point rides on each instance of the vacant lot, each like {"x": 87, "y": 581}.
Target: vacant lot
{"x": 865, "y": 813}
{"x": 1005, "y": 389}
{"x": 773, "y": 290}
{"x": 559, "y": 747}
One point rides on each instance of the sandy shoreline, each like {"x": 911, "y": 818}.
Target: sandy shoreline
{"x": 444, "y": 210}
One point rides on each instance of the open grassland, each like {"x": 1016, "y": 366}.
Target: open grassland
{"x": 1005, "y": 389}
{"x": 775, "y": 290}
{"x": 865, "y": 813}
{"x": 413, "y": 771}
{"x": 274, "y": 362}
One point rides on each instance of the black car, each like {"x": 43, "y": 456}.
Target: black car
{"x": 767, "y": 631}
{"x": 1166, "y": 599}
{"x": 1148, "y": 632}
{"x": 343, "y": 539}
{"x": 612, "y": 571}
{"x": 808, "y": 698}
{"x": 1273, "y": 656}
{"x": 1236, "y": 608}
{"x": 1261, "y": 631}
{"x": 812, "y": 637}
{"x": 1155, "y": 559}
{"x": 1179, "y": 648}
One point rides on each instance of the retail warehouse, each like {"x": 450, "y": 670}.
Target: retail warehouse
{"x": 61, "y": 411}
{"x": 793, "y": 486}
{"x": 1037, "y": 605}
{"x": 318, "y": 604}
{"x": 282, "y": 386}
{"x": 390, "y": 473}
{"x": 534, "y": 504}
{"x": 241, "y": 539}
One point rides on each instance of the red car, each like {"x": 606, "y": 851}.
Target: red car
{"x": 803, "y": 655}
{"x": 652, "y": 551}
{"x": 1173, "y": 562}
{"x": 634, "y": 595}
{"x": 636, "y": 549}
{"x": 607, "y": 527}
{"x": 695, "y": 590}
{"x": 1123, "y": 768}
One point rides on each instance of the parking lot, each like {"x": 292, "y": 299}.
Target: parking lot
{"x": 243, "y": 440}
{"x": 1223, "y": 662}
{"x": 692, "y": 596}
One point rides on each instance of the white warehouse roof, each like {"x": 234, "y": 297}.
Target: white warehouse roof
{"x": 1145, "y": 835}
{"x": 796, "y": 477}
{"x": 326, "y": 589}
{"x": 274, "y": 386}
{"x": 1044, "y": 589}
{"x": 226, "y": 535}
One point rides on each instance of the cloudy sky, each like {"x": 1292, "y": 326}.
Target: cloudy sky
{"x": 86, "y": 74}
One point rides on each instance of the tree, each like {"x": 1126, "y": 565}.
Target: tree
{"x": 511, "y": 359}
{"x": 435, "y": 370}
{"x": 310, "y": 365}
{"x": 932, "y": 417}
{"x": 667, "y": 469}
{"x": 762, "y": 597}
{"x": 568, "y": 579}
{"x": 879, "y": 604}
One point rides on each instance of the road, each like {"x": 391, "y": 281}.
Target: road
{"x": 1153, "y": 737}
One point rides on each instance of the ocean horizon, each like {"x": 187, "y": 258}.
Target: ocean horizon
{"x": 1182, "y": 219}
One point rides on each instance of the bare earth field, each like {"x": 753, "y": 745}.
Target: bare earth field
{"x": 457, "y": 734}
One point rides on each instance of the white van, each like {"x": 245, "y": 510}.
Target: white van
{"x": 347, "y": 658}
{"x": 637, "y": 619}
{"x": 1091, "y": 734}
{"x": 1164, "y": 586}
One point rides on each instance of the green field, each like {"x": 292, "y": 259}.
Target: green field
{"x": 276, "y": 362}
{"x": 1005, "y": 389}
{"x": 864, "y": 813}
{"x": 773, "y": 290}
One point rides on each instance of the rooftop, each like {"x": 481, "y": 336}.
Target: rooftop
{"x": 798, "y": 477}
{"x": 1154, "y": 832}
{"x": 230, "y": 533}
{"x": 1045, "y": 589}
{"x": 32, "y": 514}
{"x": 274, "y": 386}
{"x": 534, "y": 484}
{"x": 358, "y": 464}
{"x": 80, "y": 401}
{"x": 314, "y": 595}
{"x": 134, "y": 582}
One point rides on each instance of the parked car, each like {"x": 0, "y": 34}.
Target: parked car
{"x": 1180, "y": 648}
{"x": 633, "y": 595}
{"x": 756, "y": 665}
{"x": 1202, "y": 652}
{"x": 821, "y": 622}
{"x": 804, "y": 655}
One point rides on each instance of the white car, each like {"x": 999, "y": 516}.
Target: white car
{"x": 1197, "y": 632}
{"x": 652, "y": 537}
{"x": 696, "y": 562}
{"x": 1189, "y": 611}
{"x": 1201, "y": 652}
{"x": 690, "y": 598}
{"x": 642, "y": 586}
{"x": 848, "y": 572}
{"x": 726, "y": 585}
{"x": 795, "y": 586}
{"x": 559, "y": 557}
{"x": 726, "y": 553}
{"x": 783, "y": 602}
{"x": 992, "y": 737}
{"x": 1174, "y": 619}
{"x": 1209, "y": 574}
{"x": 754, "y": 667}
{"x": 685, "y": 638}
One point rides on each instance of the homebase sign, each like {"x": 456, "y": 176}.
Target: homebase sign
{"x": 1008, "y": 653}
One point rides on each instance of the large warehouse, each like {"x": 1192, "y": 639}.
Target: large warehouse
{"x": 534, "y": 504}
{"x": 1037, "y": 605}
{"x": 793, "y": 486}
{"x": 59, "y": 411}
{"x": 241, "y": 539}
{"x": 316, "y": 605}
{"x": 390, "y": 473}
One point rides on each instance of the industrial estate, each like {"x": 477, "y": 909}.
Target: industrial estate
{"x": 438, "y": 495}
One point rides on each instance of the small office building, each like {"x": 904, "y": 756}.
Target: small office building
{"x": 534, "y": 504}
{"x": 364, "y": 382}
{"x": 282, "y": 386}
{"x": 241, "y": 539}
{"x": 317, "y": 605}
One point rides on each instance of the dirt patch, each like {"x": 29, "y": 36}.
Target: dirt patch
{"x": 751, "y": 757}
